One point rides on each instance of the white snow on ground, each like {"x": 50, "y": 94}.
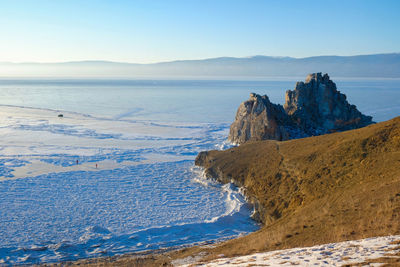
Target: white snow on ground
{"x": 144, "y": 193}
{"x": 334, "y": 254}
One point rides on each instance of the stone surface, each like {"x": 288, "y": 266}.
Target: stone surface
{"x": 259, "y": 119}
{"x": 314, "y": 107}
{"x": 317, "y": 107}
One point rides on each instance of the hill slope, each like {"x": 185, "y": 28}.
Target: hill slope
{"x": 315, "y": 190}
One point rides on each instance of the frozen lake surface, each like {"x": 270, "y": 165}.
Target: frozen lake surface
{"x": 115, "y": 174}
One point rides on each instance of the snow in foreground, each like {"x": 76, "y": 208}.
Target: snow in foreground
{"x": 334, "y": 254}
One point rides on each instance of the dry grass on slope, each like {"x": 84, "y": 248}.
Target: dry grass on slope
{"x": 317, "y": 190}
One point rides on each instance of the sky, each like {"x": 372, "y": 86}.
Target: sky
{"x": 166, "y": 30}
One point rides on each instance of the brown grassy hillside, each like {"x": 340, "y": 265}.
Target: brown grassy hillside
{"x": 308, "y": 191}
{"x": 316, "y": 190}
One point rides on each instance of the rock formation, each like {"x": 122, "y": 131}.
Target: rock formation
{"x": 314, "y": 107}
{"x": 318, "y": 107}
{"x": 258, "y": 119}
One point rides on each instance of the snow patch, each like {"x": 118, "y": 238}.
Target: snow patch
{"x": 333, "y": 254}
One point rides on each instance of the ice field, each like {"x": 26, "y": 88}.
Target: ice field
{"x": 144, "y": 194}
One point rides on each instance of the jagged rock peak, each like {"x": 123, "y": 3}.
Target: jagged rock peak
{"x": 317, "y": 77}
{"x": 318, "y": 107}
{"x": 259, "y": 119}
{"x": 314, "y": 107}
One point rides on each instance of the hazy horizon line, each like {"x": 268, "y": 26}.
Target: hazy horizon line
{"x": 180, "y": 60}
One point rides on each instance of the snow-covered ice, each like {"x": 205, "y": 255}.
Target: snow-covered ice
{"x": 334, "y": 254}
{"x": 144, "y": 193}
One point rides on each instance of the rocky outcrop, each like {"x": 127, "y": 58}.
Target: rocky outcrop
{"x": 318, "y": 107}
{"x": 314, "y": 107}
{"x": 258, "y": 119}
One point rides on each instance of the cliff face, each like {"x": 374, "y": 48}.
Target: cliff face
{"x": 314, "y": 107}
{"x": 258, "y": 119}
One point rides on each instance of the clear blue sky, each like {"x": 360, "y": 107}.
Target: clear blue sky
{"x": 152, "y": 30}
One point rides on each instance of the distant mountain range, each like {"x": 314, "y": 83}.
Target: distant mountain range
{"x": 256, "y": 67}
